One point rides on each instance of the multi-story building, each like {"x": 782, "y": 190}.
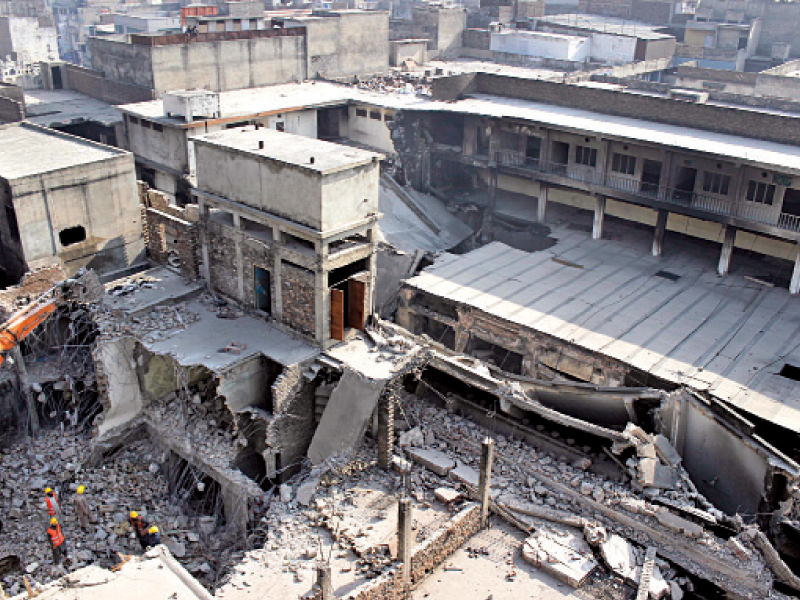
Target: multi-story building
{"x": 290, "y": 231}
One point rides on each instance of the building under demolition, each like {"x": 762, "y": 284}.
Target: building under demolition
{"x": 347, "y": 357}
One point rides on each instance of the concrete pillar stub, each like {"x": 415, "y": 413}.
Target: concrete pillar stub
{"x": 541, "y": 206}
{"x": 599, "y": 216}
{"x": 485, "y": 478}
{"x": 794, "y": 286}
{"x": 405, "y": 538}
{"x": 658, "y": 235}
{"x": 325, "y": 581}
{"x": 727, "y": 251}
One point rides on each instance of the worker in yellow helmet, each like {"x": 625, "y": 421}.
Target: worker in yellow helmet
{"x": 152, "y": 538}
{"x": 52, "y": 503}
{"x": 57, "y": 541}
{"x": 140, "y": 527}
{"x": 82, "y": 507}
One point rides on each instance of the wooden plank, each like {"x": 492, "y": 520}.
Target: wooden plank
{"x": 337, "y": 315}
{"x": 358, "y": 292}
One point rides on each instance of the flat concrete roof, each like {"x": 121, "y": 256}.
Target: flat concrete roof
{"x": 27, "y": 149}
{"x": 728, "y": 336}
{"x": 306, "y": 153}
{"x": 56, "y": 108}
{"x": 609, "y": 25}
{"x": 298, "y": 96}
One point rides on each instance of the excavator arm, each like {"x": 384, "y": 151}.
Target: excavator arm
{"x": 22, "y": 323}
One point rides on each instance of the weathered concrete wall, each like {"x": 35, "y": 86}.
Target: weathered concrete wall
{"x": 167, "y": 148}
{"x": 300, "y": 195}
{"x": 11, "y": 110}
{"x": 122, "y": 62}
{"x": 365, "y": 129}
{"x": 734, "y": 121}
{"x": 344, "y": 44}
{"x": 25, "y": 37}
{"x": 402, "y": 50}
{"x": 12, "y": 255}
{"x": 118, "y": 381}
{"x": 101, "y": 197}
{"x": 95, "y": 85}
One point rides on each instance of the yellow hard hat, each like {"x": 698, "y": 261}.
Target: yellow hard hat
{"x": 81, "y": 489}
{"x": 53, "y": 521}
{"x": 47, "y": 490}
{"x": 134, "y": 514}
{"x": 153, "y": 529}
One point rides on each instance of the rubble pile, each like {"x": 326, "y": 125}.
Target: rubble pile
{"x": 159, "y": 324}
{"x": 132, "y": 479}
{"x": 398, "y": 82}
{"x": 448, "y": 446}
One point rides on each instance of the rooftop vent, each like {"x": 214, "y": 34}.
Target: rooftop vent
{"x": 192, "y": 104}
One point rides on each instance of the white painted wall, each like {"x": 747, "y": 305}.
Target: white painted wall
{"x": 542, "y": 44}
{"x": 374, "y": 133}
{"x": 31, "y": 42}
{"x": 612, "y": 49}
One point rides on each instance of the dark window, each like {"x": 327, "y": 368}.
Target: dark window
{"x": 623, "y": 163}
{"x": 361, "y": 112}
{"x": 133, "y": 120}
{"x": 533, "y": 147}
{"x": 146, "y": 124}
{"x": 72, "y": 235}
{"x": 158, "y": 127}
{"x": 375, "y": 114}
{"x": 388, "y": 118}
{"x": 760, "y": 192}
{"x": 586, "y": 156}
{"x": 280, "y": 126}
{"x": 717, "y": 183}
{"x": 237, "y": 124}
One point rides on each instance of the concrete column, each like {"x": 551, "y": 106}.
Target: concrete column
{"x": 385, "y": 432}
{"x": 322, "y": 307}
{"x": 599, "y": 216}
{"x": 24, "y": 390}
{"x": 794, "y": 286}
{"x": 485, "y": 478}
{"x": 658, "y": 236}
{"x": 405, "y": 539}
{"x": 325, "y": 581}
{"x": 541, "y": 206}
{"x": 727, "y": 251}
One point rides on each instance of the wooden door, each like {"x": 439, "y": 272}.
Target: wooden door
{"x": 337, "y": 315}
{"x": 357, "y": 290}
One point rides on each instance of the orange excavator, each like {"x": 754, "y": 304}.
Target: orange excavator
{"x": 84, "y": 287}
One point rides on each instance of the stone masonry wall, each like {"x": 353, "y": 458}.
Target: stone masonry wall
{"x": 297, "y": 291}
{"x": 290, "y": 431}
{"x": 222, "y": 270}
{"x": 162, "y": 219}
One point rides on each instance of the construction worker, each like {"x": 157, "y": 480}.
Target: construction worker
{"x": 52, "y": 504}
{"x": 140, "y": 527}
{"x": 57, "y": 541}
{"x": 82, "y": 508}
{"x": 152, "y": 538}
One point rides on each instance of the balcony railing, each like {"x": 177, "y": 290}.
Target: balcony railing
{"x": 707, "y": 203}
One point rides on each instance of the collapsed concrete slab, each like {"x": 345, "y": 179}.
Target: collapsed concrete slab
{"x": 435, "y": 461}
{"x": 345, "y": 418}
{"x": 562, "y": 553}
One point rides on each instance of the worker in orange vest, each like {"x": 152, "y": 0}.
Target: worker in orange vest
{"x": 139, "y": 527}
{"x": 51, "y": 501}
{"x": 57, "y": 541}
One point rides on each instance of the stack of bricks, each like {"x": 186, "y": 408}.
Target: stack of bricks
{"x": 160, "y": 217}
{"x": 297, "y": 290}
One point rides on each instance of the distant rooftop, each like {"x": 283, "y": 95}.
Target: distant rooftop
{"x": 610, "y": 25}
{"x": 57, "y": 108}
{"x": 294, "y": 150}
{"x": 27, "y": 149}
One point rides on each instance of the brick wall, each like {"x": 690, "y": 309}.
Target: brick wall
{"x": 297, "y": 292}
{"x": 721, "y": 119}
{"x": 222, "y": 270}
{"x": 426, "y": 557}
{"x": 291, "y": 429}
{"x": 160, "y": 219}
{"x": 93, "y": 84}
{"x": 256, "y": 253}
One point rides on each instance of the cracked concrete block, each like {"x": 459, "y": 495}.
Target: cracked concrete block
{"x": 446, "y": 495}
{"x": 678, "y": 524}
{"x": 651, "y": 473}
{"x": 618, "y": 554}
{"x": 305, "y": 492}
{"x": 435, "y": 461}
{"x": 666, "y": 451}
{"x": 563, "y": 554}
{"x": 466, "y": 474}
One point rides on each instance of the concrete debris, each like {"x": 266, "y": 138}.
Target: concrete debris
{"x": 678, "y": 524}
{"x": 436, "y": 461}
{"x": 307, "y": 489}
{"x": 412, "y": 437}
{"x": 446, "y": 495}
{"x": 562, "y": 553}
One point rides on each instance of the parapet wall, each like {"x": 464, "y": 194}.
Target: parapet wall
{"x": 720, "y": 119}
